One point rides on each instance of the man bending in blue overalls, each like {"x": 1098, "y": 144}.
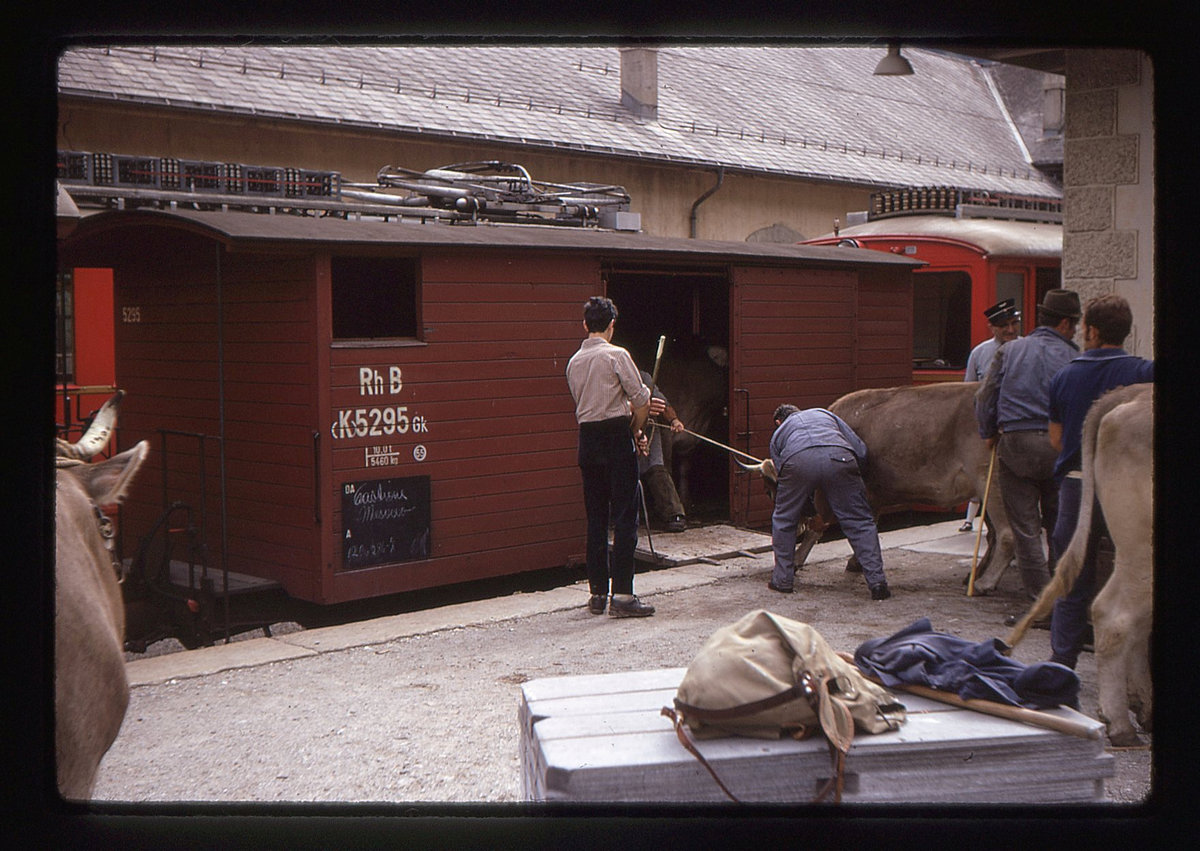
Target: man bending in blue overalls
{"x": 816, "y": 449}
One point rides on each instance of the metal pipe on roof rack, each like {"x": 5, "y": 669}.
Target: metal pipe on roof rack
{"x": 704, "y": 197}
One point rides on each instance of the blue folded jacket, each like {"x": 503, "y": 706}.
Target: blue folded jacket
{"x": 917, "y": 655}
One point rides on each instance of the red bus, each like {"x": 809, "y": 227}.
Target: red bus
{"x": 979, "y": 249}
{"x": 85, "y": 357}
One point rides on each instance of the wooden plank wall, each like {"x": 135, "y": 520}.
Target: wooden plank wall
{"x": 167, "y": 362}
{"x": 885, "y": 329}
{"x": 489, "y": 384}
{"x": 807, "y": 337}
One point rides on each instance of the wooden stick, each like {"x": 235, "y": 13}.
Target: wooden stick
{"x": 987, "y": 488}
{"x": 990, "y": 707}
{"x": 662, "y": 342}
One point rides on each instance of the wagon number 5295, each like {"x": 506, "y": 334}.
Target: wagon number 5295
{"x": 363, "y": 422}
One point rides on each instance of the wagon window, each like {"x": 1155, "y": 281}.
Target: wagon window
{"x": 1011, "y": 285}
{"x": 941, "y": 320}
{"x": 374, "y": 297}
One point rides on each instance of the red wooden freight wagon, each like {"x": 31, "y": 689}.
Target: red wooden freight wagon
{"x": 359, "y": 408}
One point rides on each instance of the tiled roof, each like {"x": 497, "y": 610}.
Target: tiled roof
{"x": 805, "y": 112}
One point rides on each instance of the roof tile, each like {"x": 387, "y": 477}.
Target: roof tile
{"x": 813, "y": 112}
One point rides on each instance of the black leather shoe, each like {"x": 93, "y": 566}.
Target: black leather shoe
{"x": 596, "y": 604}
{"x": 779, "y": 588}
{"x": 635, "y": 608}
{"x": 881, "y": 592}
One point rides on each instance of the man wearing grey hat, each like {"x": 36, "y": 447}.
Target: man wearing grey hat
{"x": 1013, "y": 411}
{"x": 1004, "y": 320}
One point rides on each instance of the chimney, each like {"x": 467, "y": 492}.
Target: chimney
{"x": 639, "y": 81}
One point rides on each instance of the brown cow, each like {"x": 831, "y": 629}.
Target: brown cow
{"x": 90, "y": 689}
{"x": 695, "y": 377}
{"x": 1118, "y": 471}
{"x": 924, "y": 448}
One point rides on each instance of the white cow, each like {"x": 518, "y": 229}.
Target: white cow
{"x": 1118, "y": 471}
{"x": 90, "y": 688}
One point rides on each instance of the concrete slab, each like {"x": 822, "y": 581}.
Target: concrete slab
{"x": 603, "y": 738}
{"x": 209, "y": 660}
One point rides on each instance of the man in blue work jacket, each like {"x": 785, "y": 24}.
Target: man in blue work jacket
{"x": 1012, "y": 408}
{"x": 1104, "y": 365}
{"x": 816, "y": 449}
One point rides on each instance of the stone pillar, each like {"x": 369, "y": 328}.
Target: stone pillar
{"x": 1108, "y": 183}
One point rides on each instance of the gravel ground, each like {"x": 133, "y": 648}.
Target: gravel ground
{"x": 432, "y": 717}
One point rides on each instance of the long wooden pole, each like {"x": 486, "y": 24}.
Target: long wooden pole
{"x": 987, "y": 489}
{"x": 990, "y": 707}
{"x": 662, "y": 342}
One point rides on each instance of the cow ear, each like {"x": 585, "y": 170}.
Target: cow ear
{"x": 106, "y": 481}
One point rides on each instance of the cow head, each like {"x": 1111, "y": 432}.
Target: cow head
{"x": 106, "y": 482}
{"x": 91, "y": 691}
{"x": 769, "y": 474}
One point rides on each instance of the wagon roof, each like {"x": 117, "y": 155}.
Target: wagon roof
{"x": 994, "y": 237}
{"x": 247, "y": 230}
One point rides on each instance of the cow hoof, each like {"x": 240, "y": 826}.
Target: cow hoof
{"x": 1125, "y": 739}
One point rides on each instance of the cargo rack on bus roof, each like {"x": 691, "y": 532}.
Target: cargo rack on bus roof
{"x": 465, "y": 192}
{"x": 963, "y": 203}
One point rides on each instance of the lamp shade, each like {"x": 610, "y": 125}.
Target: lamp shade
{"x": 893, "y": 65}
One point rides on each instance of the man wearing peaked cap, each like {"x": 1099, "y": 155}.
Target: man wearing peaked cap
{"x": 1012, "y": 407}
{"x": 1004, "y": 321}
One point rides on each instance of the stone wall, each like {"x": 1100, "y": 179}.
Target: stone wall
{"x": 1108, "y": 183}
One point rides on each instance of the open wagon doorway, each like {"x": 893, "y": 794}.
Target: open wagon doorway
{"x": 690, "y": 307}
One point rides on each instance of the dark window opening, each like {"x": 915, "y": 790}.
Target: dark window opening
{"x": 1045, "y": 278}
{"x": 941, "y": 320}
{"x": 64, "y": 331}
{"x": 374, "y": 297}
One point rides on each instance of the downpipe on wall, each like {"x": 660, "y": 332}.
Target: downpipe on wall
{"x": 702, "y": 199}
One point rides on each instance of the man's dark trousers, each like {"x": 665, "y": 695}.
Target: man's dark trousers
{"x": 1069, "y": 624}
{"x": 608, "y": 464}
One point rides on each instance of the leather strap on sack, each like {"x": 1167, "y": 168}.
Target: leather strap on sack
{"x": 685, "y": 739}
{"x": 830, "y": 714}
{"x": 741, "y": 711}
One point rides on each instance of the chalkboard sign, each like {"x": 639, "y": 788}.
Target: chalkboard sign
{"x": 385, "y": 521}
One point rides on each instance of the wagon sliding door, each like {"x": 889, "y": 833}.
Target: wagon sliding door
{"x": 808, "y": 336}
{"x": 795, "y": 343}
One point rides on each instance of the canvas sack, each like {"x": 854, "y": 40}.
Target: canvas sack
{"x": 765, "y": 676}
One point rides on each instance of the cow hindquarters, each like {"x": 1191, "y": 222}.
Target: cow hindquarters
{"x": 1122, "y": 623}
{"x": 1122, "y": 614}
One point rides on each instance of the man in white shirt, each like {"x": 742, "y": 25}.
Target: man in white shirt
{"x": 611, "y": 406}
